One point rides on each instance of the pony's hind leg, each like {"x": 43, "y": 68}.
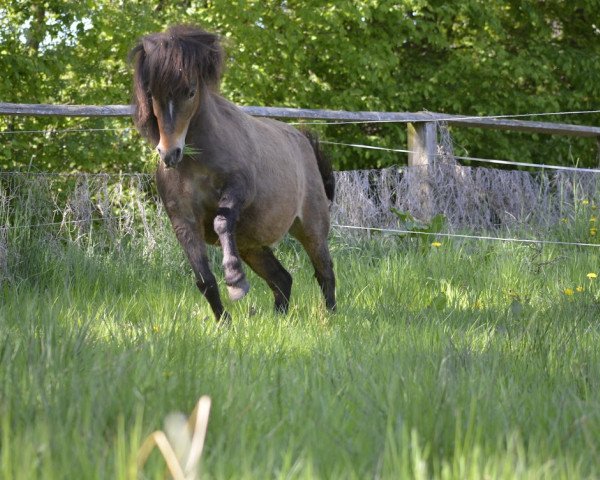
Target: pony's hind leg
{"x": 314, "y": 242}
{"x": 323, "y": 265}
{"x": 263, "y": 262}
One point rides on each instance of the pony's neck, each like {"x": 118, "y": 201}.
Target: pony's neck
{"x": 216, "y": 123}
{"x": 205, "y": 124}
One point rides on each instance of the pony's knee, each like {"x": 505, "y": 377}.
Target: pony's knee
{"x": 220, "y": 224}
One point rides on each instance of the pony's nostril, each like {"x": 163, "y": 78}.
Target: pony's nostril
{"x": 171, "y": 157}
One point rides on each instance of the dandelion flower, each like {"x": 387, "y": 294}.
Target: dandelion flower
{"x": 585, "y": 202}
{"x": 580, "y": 289}
{"x": 593, "y": 219}
{"x": 591, "y": 275}
{"x": 593, "y": 231}
{"x": 568, "y": 291}
{"x": 436, "y": 244}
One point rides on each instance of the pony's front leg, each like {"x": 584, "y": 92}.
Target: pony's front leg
{"x": 224, "y": 224}
{"x": 194, "y": 246}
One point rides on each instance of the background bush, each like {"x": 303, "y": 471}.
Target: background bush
{"x": 469, "y": 57}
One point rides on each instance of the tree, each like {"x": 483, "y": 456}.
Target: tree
{"x": 470, "y": 57}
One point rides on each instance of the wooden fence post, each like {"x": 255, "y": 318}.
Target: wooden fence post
{"x": 422, "y": 145}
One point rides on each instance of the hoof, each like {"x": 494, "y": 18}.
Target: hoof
{"x": 224, "y": 321}
{"x": 281, "y": 309}
{"x": 239, "y": 290}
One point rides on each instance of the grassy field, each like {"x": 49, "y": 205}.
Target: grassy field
{"x": 463, "y": 360}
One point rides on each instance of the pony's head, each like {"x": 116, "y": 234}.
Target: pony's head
{"x": 171, "y": 70}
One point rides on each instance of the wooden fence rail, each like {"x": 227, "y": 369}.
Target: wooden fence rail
{"x": 422, "y": 130}
{"x": 422, "y": 142}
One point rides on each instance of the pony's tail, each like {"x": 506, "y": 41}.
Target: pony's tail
{"x": 324, "y": 163}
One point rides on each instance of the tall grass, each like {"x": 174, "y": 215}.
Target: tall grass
{"x": 466, "y": 360}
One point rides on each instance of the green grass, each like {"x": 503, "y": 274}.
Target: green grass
{"x": 462, "y": 361}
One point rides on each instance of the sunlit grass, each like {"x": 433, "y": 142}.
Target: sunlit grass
{"x": 459, "y": 360}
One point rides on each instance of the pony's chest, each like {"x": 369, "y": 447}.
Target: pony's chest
{"x": 202, "y": 191}
{"x": 192, "y": 195}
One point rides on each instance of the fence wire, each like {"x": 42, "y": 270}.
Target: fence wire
{"x": 474, "y": 199}
{"x": 551, "y": 206}
{"x": 75, "y": 206}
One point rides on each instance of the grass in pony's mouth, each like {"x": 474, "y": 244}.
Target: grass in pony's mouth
{"x": 191, "y": 151}
{"x": 188, "y": 150}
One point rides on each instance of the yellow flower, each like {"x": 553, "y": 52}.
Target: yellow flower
{"x": 155, "y": 328}
{"x": 585, "y": 202}
{"x": 564, "y": 220}
{"x": 591, "y": 275}
{"x": 593, "y": 232}
{"x": 568, "y": 291}
{"x": 580, "y": 289}
{"x": 593, "y": 219}
{"x": 436, "y": 244}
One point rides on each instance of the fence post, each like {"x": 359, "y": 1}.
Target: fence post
{"x": 422, "y": 145}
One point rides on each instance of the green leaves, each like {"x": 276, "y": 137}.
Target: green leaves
{"x": 471, "y": 57}
{"x": 423, "y": 232}
{"x": 436, "y": 224}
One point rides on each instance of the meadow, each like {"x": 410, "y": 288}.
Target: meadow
{"x": 448, "y": 359}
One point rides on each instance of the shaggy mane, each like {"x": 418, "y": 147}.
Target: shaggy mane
{"x": 168, "y": 64}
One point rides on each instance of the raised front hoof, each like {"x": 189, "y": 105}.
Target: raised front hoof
{"x": 238, "y": 290}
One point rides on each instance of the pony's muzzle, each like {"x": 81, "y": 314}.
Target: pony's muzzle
{"x": 172, "y": 157}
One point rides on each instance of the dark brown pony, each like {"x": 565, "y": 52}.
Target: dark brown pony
{"x": 226, "y": 177}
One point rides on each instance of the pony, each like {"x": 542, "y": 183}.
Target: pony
{"x": 227, "y": 178}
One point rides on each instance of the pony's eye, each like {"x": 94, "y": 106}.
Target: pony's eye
{"x": 192, "y": 93}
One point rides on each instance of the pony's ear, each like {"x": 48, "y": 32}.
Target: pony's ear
{"x": 211, "y": 59}
{"x": 143, "y": 115}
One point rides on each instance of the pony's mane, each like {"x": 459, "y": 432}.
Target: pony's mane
{"x": 168, "y": 63}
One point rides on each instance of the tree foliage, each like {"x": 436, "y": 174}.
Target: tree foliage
{"x": 470, "y": 57}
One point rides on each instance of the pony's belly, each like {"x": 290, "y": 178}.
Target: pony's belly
{"x": 265, "y": 228}
{"x": 248, "y": 234}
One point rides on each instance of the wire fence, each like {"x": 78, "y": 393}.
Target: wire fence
{"x": 111, "y": 212}
{"x": 467, "y": 158}
{"x": 470, "y": 199}
{"x": 111, "y": 207}
{"x": 549, "y": 204}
